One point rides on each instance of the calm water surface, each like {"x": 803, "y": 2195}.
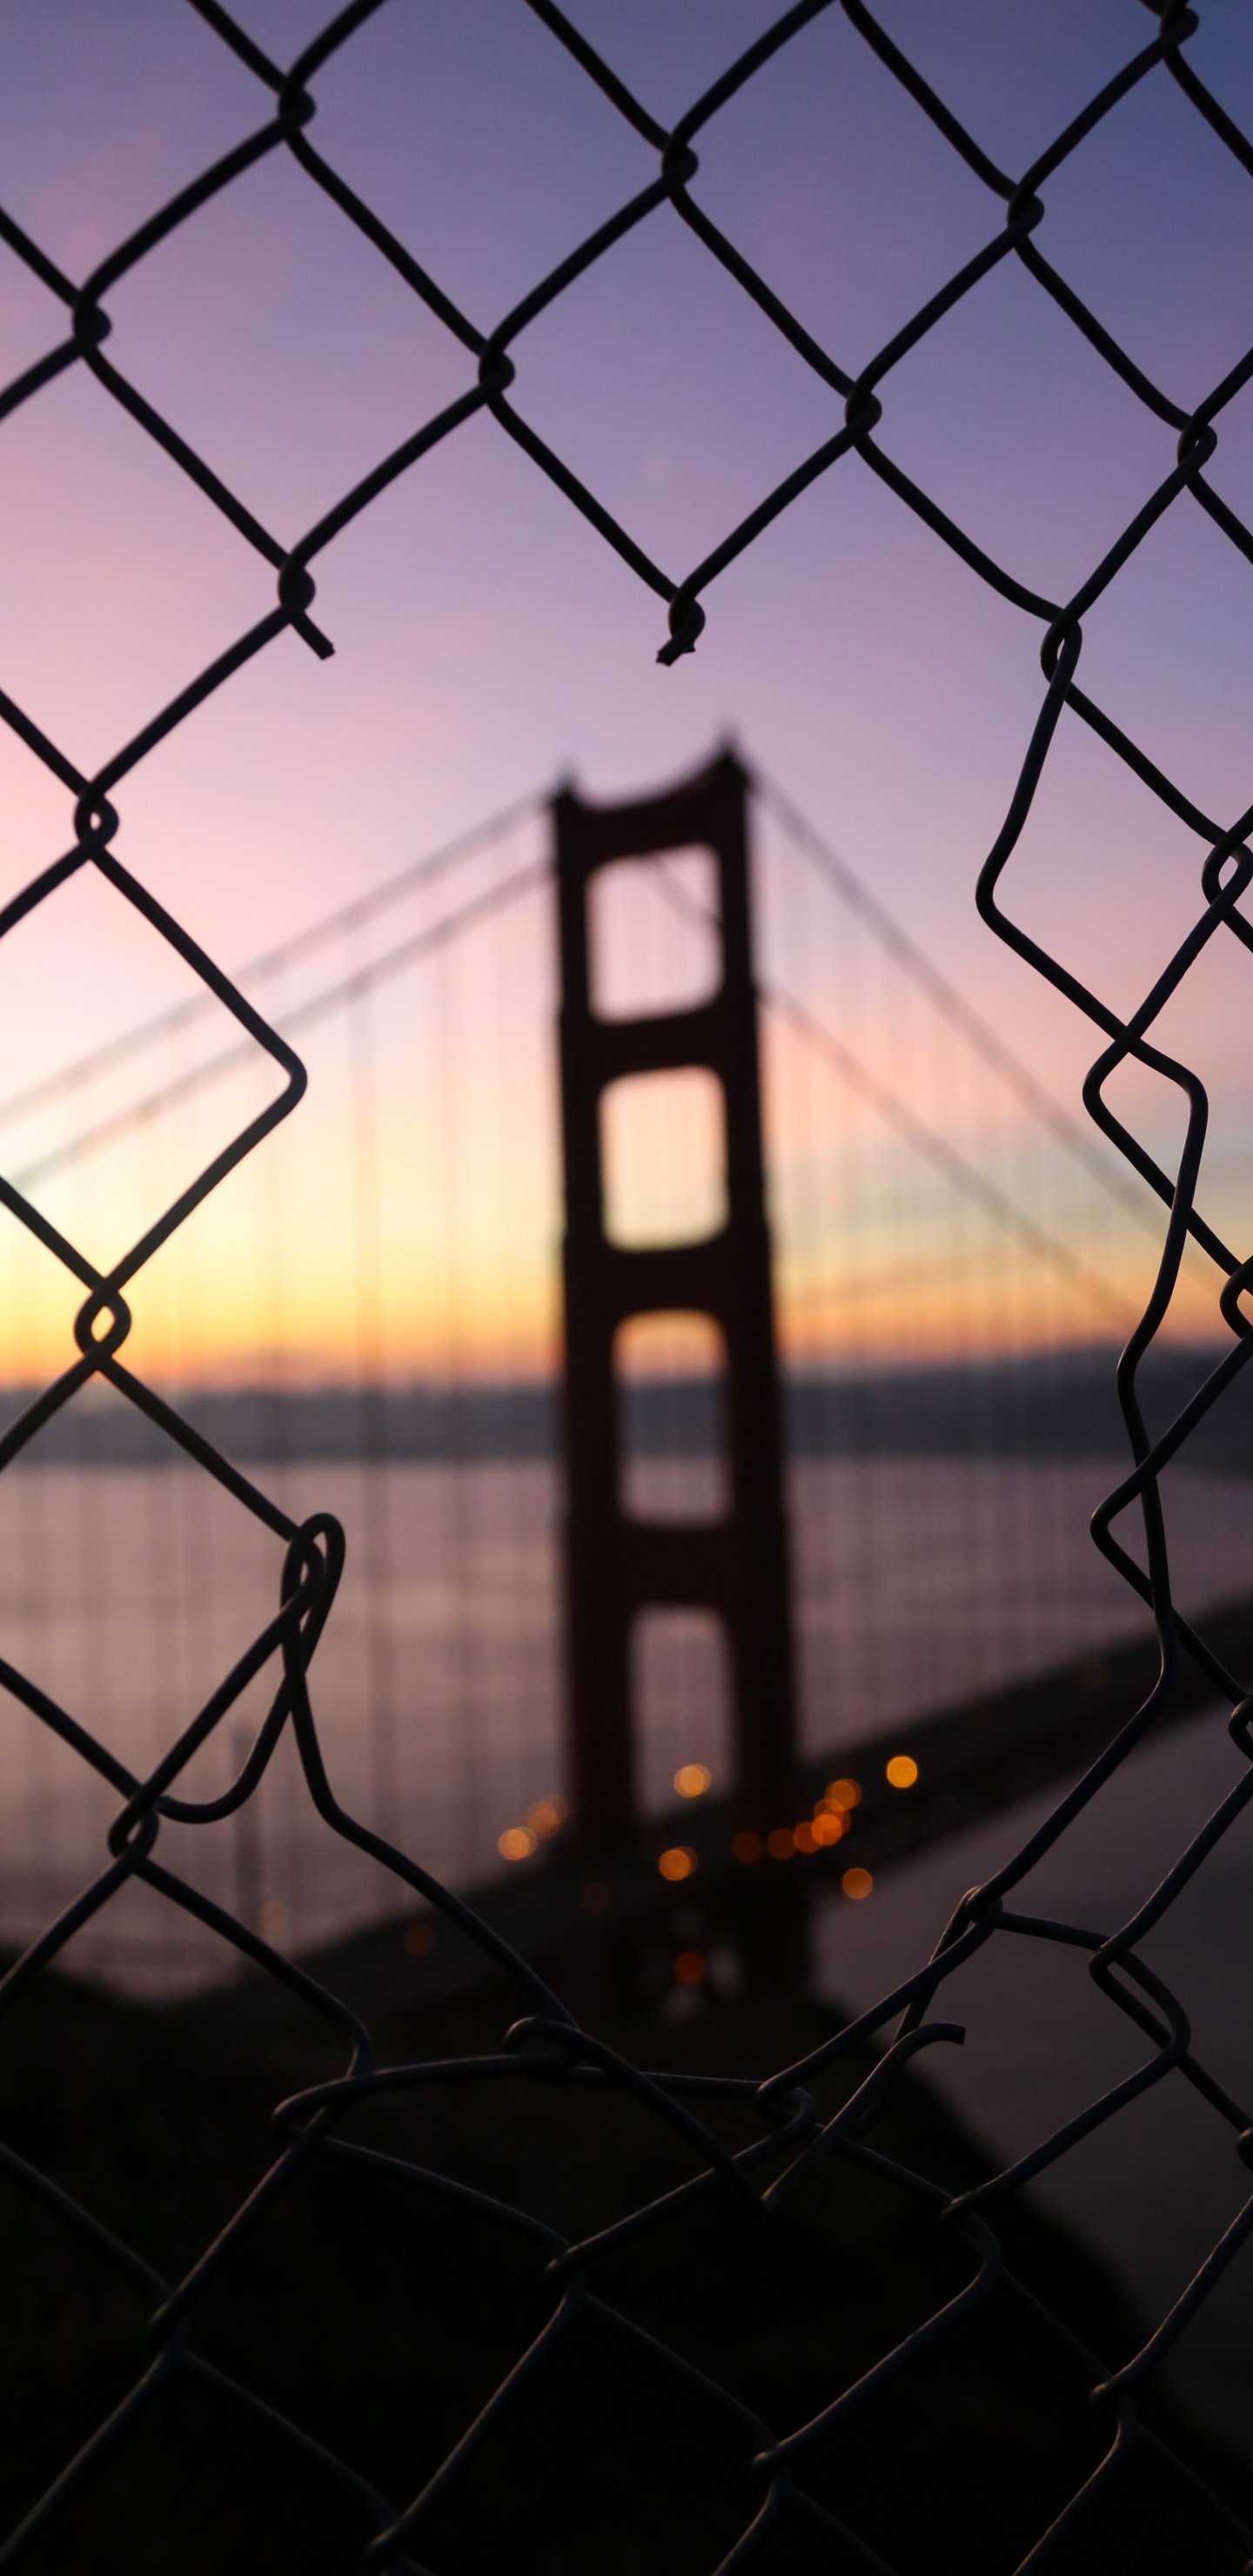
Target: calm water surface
{"x": 127, "y": 1593}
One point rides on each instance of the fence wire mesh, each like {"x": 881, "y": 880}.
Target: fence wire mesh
{"x": 547, "y": 2048}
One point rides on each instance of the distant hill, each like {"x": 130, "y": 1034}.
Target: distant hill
{"x": 1057, "y": 1404}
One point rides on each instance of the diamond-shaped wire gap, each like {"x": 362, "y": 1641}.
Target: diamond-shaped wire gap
{"x": 1016, "y": 84}
{"x": 693, "y": 2479}
{"x": 105, "y": 1157}
{"x": 802, "y": 171}
{"x": 109, "y": 537}
{"x": 1168, "y": 649}
{"x": 622, "y": 2157}
{"x": 480, "y": 143}
{"x": 1103, "y": 867}
{"x": 669, "y": 58}
{"x": 132, "y": 105}
{"x": 292, "y": 2324}
{"x": 1172, "y": 289}
{"x": 1005, "y": 396}
{"x": 668, "y": 393}
{"x": 685, "y": 2508}
{"x": 274, "y": 337}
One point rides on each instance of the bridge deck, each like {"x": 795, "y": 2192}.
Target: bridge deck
{"x": 974, "y": 1760}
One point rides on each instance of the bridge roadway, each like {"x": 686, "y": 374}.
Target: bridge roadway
{"x": 974, "y": 1759}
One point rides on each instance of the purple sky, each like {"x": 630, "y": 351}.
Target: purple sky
{"x": 486, "y": 638}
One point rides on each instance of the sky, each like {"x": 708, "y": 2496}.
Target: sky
{"x": 486, "y": 639}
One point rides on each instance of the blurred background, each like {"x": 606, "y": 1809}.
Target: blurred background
{"x": 368, "y": 1312}
{"x": 369, "y": 1315}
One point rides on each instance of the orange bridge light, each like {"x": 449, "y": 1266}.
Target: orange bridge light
{"x": 678, "y": 1862}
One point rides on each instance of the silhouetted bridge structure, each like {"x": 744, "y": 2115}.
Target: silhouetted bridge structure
{"x": 596, "y": 1888}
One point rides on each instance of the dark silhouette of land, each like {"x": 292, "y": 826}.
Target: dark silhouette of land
{"x": 380, "y": 2317}
{"x": 1051, "y": 1405}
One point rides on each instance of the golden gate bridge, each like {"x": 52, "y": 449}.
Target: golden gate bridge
{"x": 950, "y": 1255}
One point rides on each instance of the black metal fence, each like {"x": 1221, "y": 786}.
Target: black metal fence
{"x": 547, "y": 2048}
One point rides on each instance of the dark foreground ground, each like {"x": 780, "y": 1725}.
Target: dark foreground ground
{"x": 381, "y": 2318}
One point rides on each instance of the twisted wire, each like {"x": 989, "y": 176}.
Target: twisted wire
{"x": 547, "y": 2046}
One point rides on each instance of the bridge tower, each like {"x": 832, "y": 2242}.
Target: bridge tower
{"x": 618, "y": 1564}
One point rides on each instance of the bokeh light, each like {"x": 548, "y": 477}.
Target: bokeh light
{"x": 692, "y": 1779}
{"x": 677, "y": 1862}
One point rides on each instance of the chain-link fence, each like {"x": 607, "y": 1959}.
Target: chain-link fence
{"x": 792, "y": 2142}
